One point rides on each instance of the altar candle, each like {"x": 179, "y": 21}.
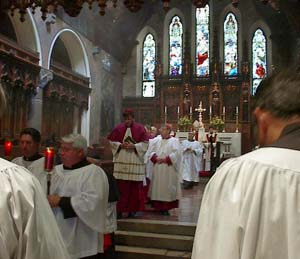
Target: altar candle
{"x": 191, "y": 110}
{"x": 237, "y": 110}
{"x": 49, "y": 159}
{"x": 224, "y": 110}
{"x": 7, "y": 148}
{"x": 209, "y": 110}
{"x": 178, "y": 109}
{"x": 165, "y": 110}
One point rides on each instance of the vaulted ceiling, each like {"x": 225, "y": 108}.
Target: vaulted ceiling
{"x": 116, "y": 31}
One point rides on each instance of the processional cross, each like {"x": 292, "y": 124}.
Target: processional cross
{"x": 200, "y": 110}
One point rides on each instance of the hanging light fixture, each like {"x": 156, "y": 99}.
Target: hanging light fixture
{"x": 73, "y": 7}
{"x": 235, "y": 3}
{"x": 133, "y": 5}
{"x": 199, "y": 3}
{"x": 166, "y": 5}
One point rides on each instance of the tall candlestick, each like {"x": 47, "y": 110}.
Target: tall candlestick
{"x": 224, "y": 119}
{"x": 237, "y": 119}
{"x": 178, "y": 112}
{"x": 7, "y": 148}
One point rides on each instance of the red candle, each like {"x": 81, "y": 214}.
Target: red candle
{"x": 7, "y": 148}
{"x": 49, "y": 159}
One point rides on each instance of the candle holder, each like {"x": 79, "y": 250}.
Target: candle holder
{"x": 49, "y": 164}
{"x": 224, "y": 119}
{"x": 166, "y": 114}
{"x": 237, "y": 123}
{"x": 224, "y": 123}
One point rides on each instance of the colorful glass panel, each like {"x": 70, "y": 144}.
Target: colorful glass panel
{"x": 202, "y": 41}
{"x": 149, "y": 66}
{"x": 259, "y": 58}
{"x": 230, "y": 45}
{"x": 175, "y": 44}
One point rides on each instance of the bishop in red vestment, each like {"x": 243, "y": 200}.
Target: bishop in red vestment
{"x": 129, "y": 143}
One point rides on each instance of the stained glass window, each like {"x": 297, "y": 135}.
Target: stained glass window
{"x": 175, "y": 53}
{"x": 202, "y": 41}
{"x": 259, "y": 58}
{"x": 149, "y": 66}
{"x": 230, "y": 45}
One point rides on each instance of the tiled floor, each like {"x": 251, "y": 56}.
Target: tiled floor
{"x": 188, "y": 210}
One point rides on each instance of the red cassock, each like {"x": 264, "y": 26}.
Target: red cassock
{"x": 132, "y": 197}
{"x": 202, "y": 58}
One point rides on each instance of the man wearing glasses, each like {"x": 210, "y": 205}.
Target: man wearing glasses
{"x": 79, "y": 199}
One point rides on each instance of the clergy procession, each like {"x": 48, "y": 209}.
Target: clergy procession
{"x": 159, "y": 129}
{"x": 70, "y": 209}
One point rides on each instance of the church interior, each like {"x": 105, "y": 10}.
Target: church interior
{"x": 74, "y": 66}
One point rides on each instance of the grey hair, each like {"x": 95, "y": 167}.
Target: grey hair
{"x": 77, "y": 141}
{"x": 2, "y": 100}
{"x": 279, "y": 94}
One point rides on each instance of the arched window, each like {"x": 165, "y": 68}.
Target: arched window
{"x": 202, "y": 41}
{"x": 149, "y": 61}
{"x": 230, "y": 45}
{"x": 259, "y": 58}
{"x": 175, "y": 45}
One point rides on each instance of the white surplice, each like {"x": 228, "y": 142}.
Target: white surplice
{"x": 149, "y": 164}
{"x": 191, "y": 160}
{"x": 36, "y": 167}
{"x": 128, "y": 164}
{"x": 27, "y": 226}
{"x": 251, "y": 208}
{"x": 165, "y": 182}
{"x": 88, "y": 188}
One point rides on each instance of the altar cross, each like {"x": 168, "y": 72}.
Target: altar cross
{"x": 200, "y": 110}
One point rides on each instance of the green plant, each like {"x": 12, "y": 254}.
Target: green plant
{"x": 184, "y": 122}
{"x": 217, "y": 123}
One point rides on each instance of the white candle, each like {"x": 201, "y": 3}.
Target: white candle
{"x": 224, "y": 110}
{"x": 178, "y": 109}
{"x": 165, "y": 109}
{"x": 237, "y": 110}
{"x": 209, "y": 110}
{"x": 191, "y": 109}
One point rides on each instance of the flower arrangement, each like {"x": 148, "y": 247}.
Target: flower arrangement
{"x": 217, "y": 123}
{"x": 184, "y": 123}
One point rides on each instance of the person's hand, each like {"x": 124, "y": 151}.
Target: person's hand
{"x": 53, "y": 200}
{"x": 124, "y": 145}
{"x": 162, "y": 160}
{"x": 128, "y": 146}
